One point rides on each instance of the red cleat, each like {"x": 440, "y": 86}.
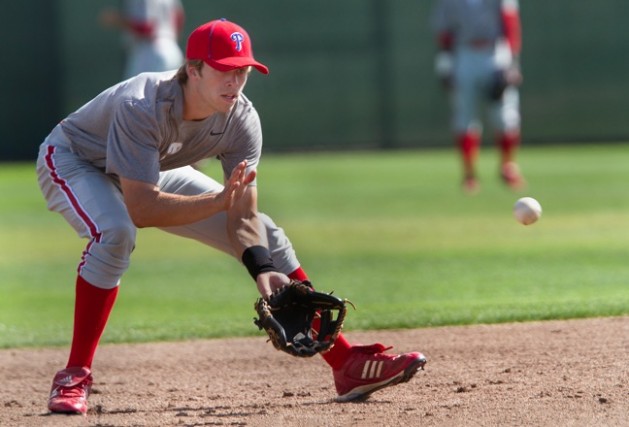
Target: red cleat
{"x": 69, "y": 392}
{"x": 471, "y": 186}
{"x": 511, "y": 175}
{"x": 368, "y": 369}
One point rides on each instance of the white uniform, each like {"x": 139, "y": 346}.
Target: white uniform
{"x": 479, "y": 44}
{"x": 479, "y": 48}
{"x": 152, "y": 43}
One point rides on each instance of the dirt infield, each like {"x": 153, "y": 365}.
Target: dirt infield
{"x": 556, "y": 373}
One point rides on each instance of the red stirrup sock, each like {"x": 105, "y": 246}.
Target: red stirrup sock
{"x": 469, "y": 144}
{"x": 298, "y": 274}
{"x": 92, "y": 307}
{"x": 508, "y": 143}
{"x": 336, "y": 356}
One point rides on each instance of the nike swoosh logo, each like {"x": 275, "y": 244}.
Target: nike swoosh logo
{"x": 216, "y": 133}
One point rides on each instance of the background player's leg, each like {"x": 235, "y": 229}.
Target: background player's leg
{"x": 509, "y": 169}
{"x": 469, "y": 146}
{"x": 465, "y": 118}
{"x": 505, "y": 117}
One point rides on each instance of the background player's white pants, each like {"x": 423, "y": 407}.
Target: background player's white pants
{"x": 92, "y": 203}
{"x": 473, "y": 73}
{"x": 161, "y": 54}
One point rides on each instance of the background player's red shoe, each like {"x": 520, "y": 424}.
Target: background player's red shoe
{"x": 368, "y": 369}
{"x": 471, "y": 185}
{"x": 69, "y": 392}
{"x": 511, "y": 175}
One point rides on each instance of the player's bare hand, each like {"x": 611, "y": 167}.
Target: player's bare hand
{"x": 270, "y": 281}
{"x": 513, "y": 76}
{"x": 236, "y": 185}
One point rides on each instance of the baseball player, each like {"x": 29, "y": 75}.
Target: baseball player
{"x": 151, "y": 31}
{"x": 479, "y": 44}
{"x": 121, "y": 162}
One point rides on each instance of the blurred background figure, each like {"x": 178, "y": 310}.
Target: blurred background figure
{"x": 477, "y": 62}
{"x": 151, "y": 30}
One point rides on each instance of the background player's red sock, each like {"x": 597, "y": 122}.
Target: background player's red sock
{"x": 337, "y": 354}
{"x": 92, "y": 307}
{"x": 469, "y": 144}
{"x": 508, "y": 143}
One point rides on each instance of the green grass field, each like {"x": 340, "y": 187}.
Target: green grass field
{"x": 391, "y": 231}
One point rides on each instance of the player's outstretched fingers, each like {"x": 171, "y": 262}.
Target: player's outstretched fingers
{"x": 243, "y": 178}
{"x": 234, "y": 187}
{"x": 246, "y": 180}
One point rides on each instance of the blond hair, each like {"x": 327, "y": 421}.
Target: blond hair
{"x": 182, "y": 72}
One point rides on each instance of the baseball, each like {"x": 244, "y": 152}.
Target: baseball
{"x": 527, "y": 210}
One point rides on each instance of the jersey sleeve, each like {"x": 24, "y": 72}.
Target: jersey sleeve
{"x": 139, "y": 15}
{"x": 510, "y": 14}
{"x": 441, "y": 25}
{"x": 246, "y": 143}
{"x": 133, "y": 143}
{"x": 179, "y": 17}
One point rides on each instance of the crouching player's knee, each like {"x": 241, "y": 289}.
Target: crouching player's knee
{"x": 281, "y": 248}
{"x": 107, "y": 256}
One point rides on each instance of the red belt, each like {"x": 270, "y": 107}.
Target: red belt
{"x": 480, "y": 44}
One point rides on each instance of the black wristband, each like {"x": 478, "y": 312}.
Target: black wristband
{"x": 258, "y": 260}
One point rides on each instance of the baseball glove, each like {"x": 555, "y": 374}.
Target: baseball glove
{"x": 288, "y": 314}
{"x": 498, "y": 85}
{"x": 503, "y": 78}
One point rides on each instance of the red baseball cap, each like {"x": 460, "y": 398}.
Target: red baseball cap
{"x": 222, "y": 45}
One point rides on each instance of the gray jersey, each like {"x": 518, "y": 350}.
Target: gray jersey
{"x": 135, "y": 129}
{"x": 471, "y": 21}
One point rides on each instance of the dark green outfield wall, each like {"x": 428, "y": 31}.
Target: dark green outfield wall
{"x": 344, "y": 74}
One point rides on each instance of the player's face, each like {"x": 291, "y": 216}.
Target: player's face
{"x": 219, "y": 90}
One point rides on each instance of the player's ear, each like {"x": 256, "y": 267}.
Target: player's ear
{"x": 192, "y": 71}
{"x": 193, "y": 68}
